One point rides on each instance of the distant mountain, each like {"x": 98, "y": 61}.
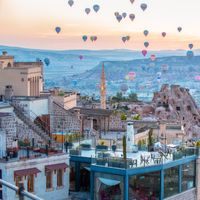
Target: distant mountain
{"x": 150, "y": 75}
{"x": 67, "y": 70}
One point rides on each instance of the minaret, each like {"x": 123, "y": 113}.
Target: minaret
{"x": 103, "y": 88}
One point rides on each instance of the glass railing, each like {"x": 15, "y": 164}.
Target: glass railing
{"x": 142, "y": 159}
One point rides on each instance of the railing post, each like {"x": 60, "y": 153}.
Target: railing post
{"x": 21, "y": 189}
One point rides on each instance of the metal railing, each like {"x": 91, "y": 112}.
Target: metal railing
{"x": 20, "y": 190}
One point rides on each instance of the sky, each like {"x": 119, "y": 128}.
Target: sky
{"x": 31, "y": 24}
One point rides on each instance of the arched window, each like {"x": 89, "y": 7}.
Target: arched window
{"x": 9, "y": 65}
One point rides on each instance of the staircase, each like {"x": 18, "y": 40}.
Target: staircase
{"x": 24, "y": 117}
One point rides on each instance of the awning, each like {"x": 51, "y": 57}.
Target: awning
{"x": 87, "y": 168}
{"x": 109, "y": 182}
{"x": 26, "y": 172}
{"x": 55, "y": 167}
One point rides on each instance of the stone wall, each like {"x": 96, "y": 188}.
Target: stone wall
{"x": 7, "y": 124}
{"x": 23, "y": 132}
{"x": 63, "y": 120}
{"x": 116, "y": 124}
{"x": 188, "y": 195}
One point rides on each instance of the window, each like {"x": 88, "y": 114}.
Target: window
{"x": 178, "y": 108}
{"x": 59, "y": 177}
{"x": 171, "y": 182}
{"x": 188, "y": 176}
{"x": 144, "y": 186}
{"x": 49, "y": 184}
{"x": 30, "y": 183}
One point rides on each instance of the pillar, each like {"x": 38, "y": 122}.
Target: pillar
{"x": 198, "y": 176}
{"x": 126, "y": 187}
{"x": 130, "y": 136}
{"x": 92, "y": 185}
{"x": 77, "y": 176}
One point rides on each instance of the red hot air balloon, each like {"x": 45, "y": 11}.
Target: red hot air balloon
{"x": 153, "y": 57}
{"x": 144, "y": 52}
{"x": 131, "y": 75}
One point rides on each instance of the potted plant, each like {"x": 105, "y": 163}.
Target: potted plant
{"x": 102, "y": 146}
{"x": 198, "y": 147}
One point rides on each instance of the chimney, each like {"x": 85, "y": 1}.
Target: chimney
{"x": 130, "y": 136}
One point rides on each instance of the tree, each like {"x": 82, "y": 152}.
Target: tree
{"x": 124, "y": 147}
{"x": 150, "y": 139}
{"x": 132, "y": 97}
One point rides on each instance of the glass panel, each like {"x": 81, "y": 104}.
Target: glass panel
{"x": 108, "y": 186}
{"x": 85, "y": 177}
{"x": 188, "y": 176}
{"x": 171, "y": 182}
{"x": 144, "y": 186}
{"x": 72, "y": 176}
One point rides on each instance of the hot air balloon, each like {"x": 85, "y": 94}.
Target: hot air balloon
{"x": 57, "y": 29}
{"x": 164, "y": 34}
{"x": 131, "y": 75}
{"x": 116, "y": 14}
{"x": 153, "y": 57}
{"x": 119, "y": 18}
{"x": 132, "y": 17}
{"x": 197, "y": 78}
{"x": 143, "y": 6}
{"x": 165, "y": 67}
{"x": 92, "y": 38}
{"x": 146, "y": 32}
{"x": 124, "y": 39}
{"x": 47, "y": 61}
{"x": 128, "y": 37}
{"x": 146, "y": 44}
{"x": 124, "y": 15}
{"x": 96, "y": 8}
{"x": 71, "y": 2}
{"x": 87, "y": 11}
{"x": 124, "y": 88}
{"x": 74, "y": 82}
{"x": 190, "y": 46}
{"x": 132, "y": 1}
{"x": 126, "y": 77}
{"x": 179, "y": 29}
{"x": 144, "y": 52}
{"x": 81, "y": 57}
{"x": 190, "y": 54}
{"x": 84, "y": 38}
{"x": 95, "y": 38}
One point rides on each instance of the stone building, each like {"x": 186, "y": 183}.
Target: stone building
{"x": 8, "y": 128}
{"x": 45, "y": 176}
{"x": 20, "y": 78}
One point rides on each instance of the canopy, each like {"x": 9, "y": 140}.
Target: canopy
{"x": 87, "y": 168}
{"x": 55, "y": 167}
{"x": 26, "y": 172}
{"x": 109, "y": 182}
